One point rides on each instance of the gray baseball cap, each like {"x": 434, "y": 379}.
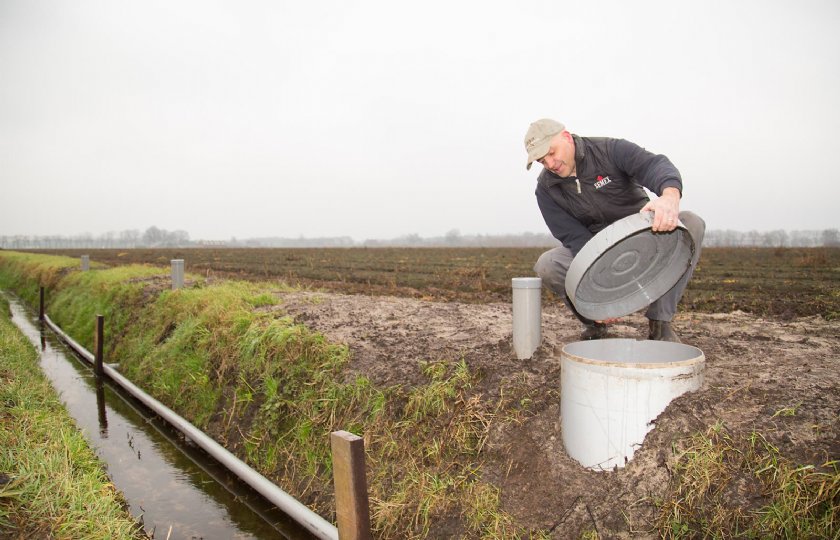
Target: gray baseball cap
{"x": 538, "y": 138}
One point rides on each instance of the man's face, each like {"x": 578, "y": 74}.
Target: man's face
{"x": 560, "y": 158}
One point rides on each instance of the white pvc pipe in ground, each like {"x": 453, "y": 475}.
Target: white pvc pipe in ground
{"x": 85, "y": 263}
{"x": 612, "y": 390}
{"x": 527, "y": 316}
{"x": 177, "y": 273}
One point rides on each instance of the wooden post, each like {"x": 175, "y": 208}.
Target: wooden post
{"x": 351, "y": 497}
{"x": 100, "y": 408}
{"x": 98, "y": 339}
{"x": 41, "y": 305}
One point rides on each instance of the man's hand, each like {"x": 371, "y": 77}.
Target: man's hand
{"x": 666, "y": 210}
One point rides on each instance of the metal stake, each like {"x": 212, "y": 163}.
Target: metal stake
{"x": 98, "y": 339}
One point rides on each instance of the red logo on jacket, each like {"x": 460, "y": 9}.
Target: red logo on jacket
{"x": 602, "y": 181}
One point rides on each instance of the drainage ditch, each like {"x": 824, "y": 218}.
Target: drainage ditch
{"x": 173, "y": 488}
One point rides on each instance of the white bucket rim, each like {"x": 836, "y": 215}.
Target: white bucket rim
{"x": 699, "y": 359}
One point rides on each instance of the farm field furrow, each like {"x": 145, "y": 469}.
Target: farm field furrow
{"x": 777, "y": 282}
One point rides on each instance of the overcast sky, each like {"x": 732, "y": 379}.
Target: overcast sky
{"x": 379, "y": 119}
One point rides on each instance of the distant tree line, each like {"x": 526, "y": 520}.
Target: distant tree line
{"x": 777, "y": 238}
{"x": 454, "y": 238}
{"x": 155, "y": 237}
{"x": 300, "y": 242}
{"x": 150, "y": 238}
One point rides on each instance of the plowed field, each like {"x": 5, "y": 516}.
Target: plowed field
{"x": 779, "y": 282}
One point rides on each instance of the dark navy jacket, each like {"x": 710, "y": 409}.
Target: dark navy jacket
{"x": 608, "y": 187}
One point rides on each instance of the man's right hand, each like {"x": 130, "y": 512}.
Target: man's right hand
{"x": 666, "y": 210}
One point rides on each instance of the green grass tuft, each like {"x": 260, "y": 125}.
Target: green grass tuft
{"x": 57, "y": 488}
{"x": 790, "y": 501}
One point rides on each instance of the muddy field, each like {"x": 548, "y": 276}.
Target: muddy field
{"x": 778, "y": 282}
{"x": 755, "y": 367}
{"x": 765, "y": 319}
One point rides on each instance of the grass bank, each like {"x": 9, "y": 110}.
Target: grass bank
{"x": 51, "y": 483}
{"x": 225, "y": 357}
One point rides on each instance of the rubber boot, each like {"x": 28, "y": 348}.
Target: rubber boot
{"x": 662, "y": 331}
{"x": 591, "y": 329}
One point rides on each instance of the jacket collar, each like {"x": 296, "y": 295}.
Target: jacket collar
{"x": 580, "y": 150}
{"x": 548, "y": 178}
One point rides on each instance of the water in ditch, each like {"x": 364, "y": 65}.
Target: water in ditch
{"x": 172, "y": 487}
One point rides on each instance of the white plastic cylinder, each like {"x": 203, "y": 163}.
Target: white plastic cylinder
{"x": 527, "y": 316}
{"x": 177, "y": 273}
{"x": 612, "y": 390}
{"x": 85, "y": 263}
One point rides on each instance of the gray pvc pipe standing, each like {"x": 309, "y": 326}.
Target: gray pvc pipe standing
{"x": 285, "y": 502}
{"x": 177, "y": 273}
{"x": 527, "y": 316}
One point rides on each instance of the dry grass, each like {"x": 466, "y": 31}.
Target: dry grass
{"x": 716, "y": 468}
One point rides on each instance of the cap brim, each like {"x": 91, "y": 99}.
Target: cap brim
{"x": 538, "y": 152}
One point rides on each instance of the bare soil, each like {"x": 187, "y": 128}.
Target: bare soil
{"x": 755, "y": 367}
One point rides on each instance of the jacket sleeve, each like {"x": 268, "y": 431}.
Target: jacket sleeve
{"x": 653, "y": 171}
{"x": 571, "y": 232}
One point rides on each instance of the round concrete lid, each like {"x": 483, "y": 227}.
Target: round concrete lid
{"x": 627, "y": 266}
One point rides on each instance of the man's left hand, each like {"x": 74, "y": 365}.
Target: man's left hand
{"x": 666, "y": 210}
